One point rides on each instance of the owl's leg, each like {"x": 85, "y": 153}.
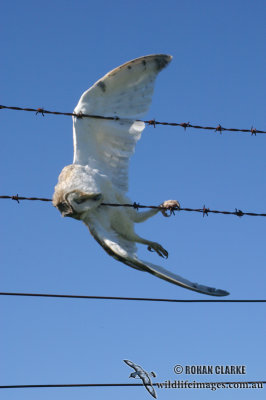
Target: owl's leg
{"x": 144, "y": 215}
{"x": 170, "y": 205}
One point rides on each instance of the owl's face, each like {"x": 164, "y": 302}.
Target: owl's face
{"x": 76, "y": 203}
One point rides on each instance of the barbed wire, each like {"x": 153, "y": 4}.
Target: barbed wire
{"x": 119, "y": 384}
{"x": 72, "y": 296}
{"x": 152, "y": 122}
{"x": 171, "y": 209}
{"x": 17, "y": 198}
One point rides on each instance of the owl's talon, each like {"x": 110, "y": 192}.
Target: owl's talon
{"x": 159, "y": 250}
{"x": 150, "y": 249}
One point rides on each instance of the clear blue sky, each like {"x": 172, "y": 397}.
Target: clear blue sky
{"x": 53, "y": 51}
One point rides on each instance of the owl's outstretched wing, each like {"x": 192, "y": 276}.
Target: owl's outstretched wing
{"x": 124, "y": 251}
{"x": 125, "y": 92}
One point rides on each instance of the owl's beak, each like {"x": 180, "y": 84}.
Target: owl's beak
{"x": 67, "y": 211}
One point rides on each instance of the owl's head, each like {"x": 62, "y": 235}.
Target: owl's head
{"x": 75, "y": 203}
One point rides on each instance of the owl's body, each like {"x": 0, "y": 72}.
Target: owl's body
{"x": 83, "y": 180}
{"x": 79, "y": 194}
{"x": 99, "y": 173}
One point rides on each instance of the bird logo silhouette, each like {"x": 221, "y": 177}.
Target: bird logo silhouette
{"x": 144, "y": 376}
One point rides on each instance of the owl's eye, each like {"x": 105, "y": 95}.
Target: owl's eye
{"x": 86, "y": 197}
{"x": 96, "y": 197}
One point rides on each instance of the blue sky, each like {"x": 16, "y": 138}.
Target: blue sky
{"x": 51, "y": 53}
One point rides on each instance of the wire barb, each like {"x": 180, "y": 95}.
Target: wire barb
{"x": 136, "y": 205}
{"x": 185, "y": 125}
{"x": 205, "y": 211}
{"x": 253, "y": 131}
{"x": 40, "y": 111}
{"x": 239, "y": 213}
{"x": 219, "y": 128}
{"x": 15, "y": 198}
{"x": 152, "y": 122}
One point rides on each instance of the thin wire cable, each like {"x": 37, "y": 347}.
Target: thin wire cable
{"x": 113, "y": 384}
{"x": 204, "y": 210}
{"x": 152, "y": 122}
{"x": 72, "y": 296}
{"x": 70, "y": 385}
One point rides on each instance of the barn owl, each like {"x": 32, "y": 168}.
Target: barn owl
{"x": 99, "y": 173}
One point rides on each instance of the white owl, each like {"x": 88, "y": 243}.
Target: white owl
{"x": 99, "y": 173}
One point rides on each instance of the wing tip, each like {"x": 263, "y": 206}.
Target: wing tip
{"x": 162, "y": 60}
{"x": 211, "y": 291}
{"x": 221, "y": 293}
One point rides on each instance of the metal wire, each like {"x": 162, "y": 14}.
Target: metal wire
{"x": 152, "y": 122}
{"x": 71, "y": 296}
{"x": 18, "y": 198}
{"x": 72, "y": 385}
{"x": 113, "y": 384}
{"x": 204, "y": 210}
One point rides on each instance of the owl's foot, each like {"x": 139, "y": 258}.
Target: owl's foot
{"x": 159, "y": 249}
{"x": 171, "y": 206}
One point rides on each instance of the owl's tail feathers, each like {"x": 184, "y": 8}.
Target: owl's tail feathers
{"x": 169, "y": 276}
{"x": 124, "y": 251}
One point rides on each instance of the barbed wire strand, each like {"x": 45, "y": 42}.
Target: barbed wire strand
{"x": 72, "y": 296}
{"x": 152, "y": 122}
{"x": 113, "y": 384}
{"x": 204, "y": 210}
